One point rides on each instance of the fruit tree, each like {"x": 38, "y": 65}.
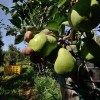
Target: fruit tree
{"x": 42, "y": 25}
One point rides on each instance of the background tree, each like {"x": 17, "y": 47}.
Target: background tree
{"x": 1, "y": 51}
{"x": 14, "y": 53}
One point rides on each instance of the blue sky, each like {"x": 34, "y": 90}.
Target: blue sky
{"x": 8, "y": 39}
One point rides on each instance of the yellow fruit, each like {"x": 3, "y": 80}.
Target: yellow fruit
{"x": 49, "y": 46}
{"x": 65, "y": 62}
{"x": 84, "y": 15}
{"x": 37, "y": 42}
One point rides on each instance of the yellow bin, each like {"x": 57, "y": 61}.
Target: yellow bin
{"x": 12, "y": 69}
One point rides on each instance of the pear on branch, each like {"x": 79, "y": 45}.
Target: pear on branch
{"x": 65, "y": 62}
{"x": 90, "y": 50}
{"x": 84, "y": 15}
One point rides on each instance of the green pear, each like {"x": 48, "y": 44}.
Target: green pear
{"x": 85, "y": 54}
{"x": 49, "y": 46}
{"x": 90, "y": 50}
{"x": 65, "y": 62}
{"x": 84, "y": 15}
{"x": 74, "y": 48}
{"x": 37, "y": 42}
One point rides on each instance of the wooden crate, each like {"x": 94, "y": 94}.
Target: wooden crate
{"x": 12, "y": 69}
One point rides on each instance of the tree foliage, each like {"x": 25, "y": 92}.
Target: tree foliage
{"x": 38, "y": 13}
{"x": 13, "y": 53}
{"x": 1, "y": 52}
{"x": 51, "y": 14}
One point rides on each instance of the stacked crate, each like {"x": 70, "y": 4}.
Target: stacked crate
{"x": 12, "y": 69}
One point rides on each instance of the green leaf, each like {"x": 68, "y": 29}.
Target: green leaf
{"x": 10, "y": 32}
{"x": 19, "y": 39}
{"x": 1, "y": 43}
{"x": 52, "y": 10}
{"x": 61, "y": 3}
{"x": 52, "y": 25}
{"x": 16, "y": 21}
{"x": 59, "y": 18}
{"x": 61, "y": 29}
{"x": 17, "y": 0}
{"x": 4, "y": 8}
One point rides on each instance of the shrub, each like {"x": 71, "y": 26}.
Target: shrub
{"x": 47, "y": 88}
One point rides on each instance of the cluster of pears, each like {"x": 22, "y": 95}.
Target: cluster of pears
{"x": 84, "y": 15}
{"x": 42, "y": 44}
